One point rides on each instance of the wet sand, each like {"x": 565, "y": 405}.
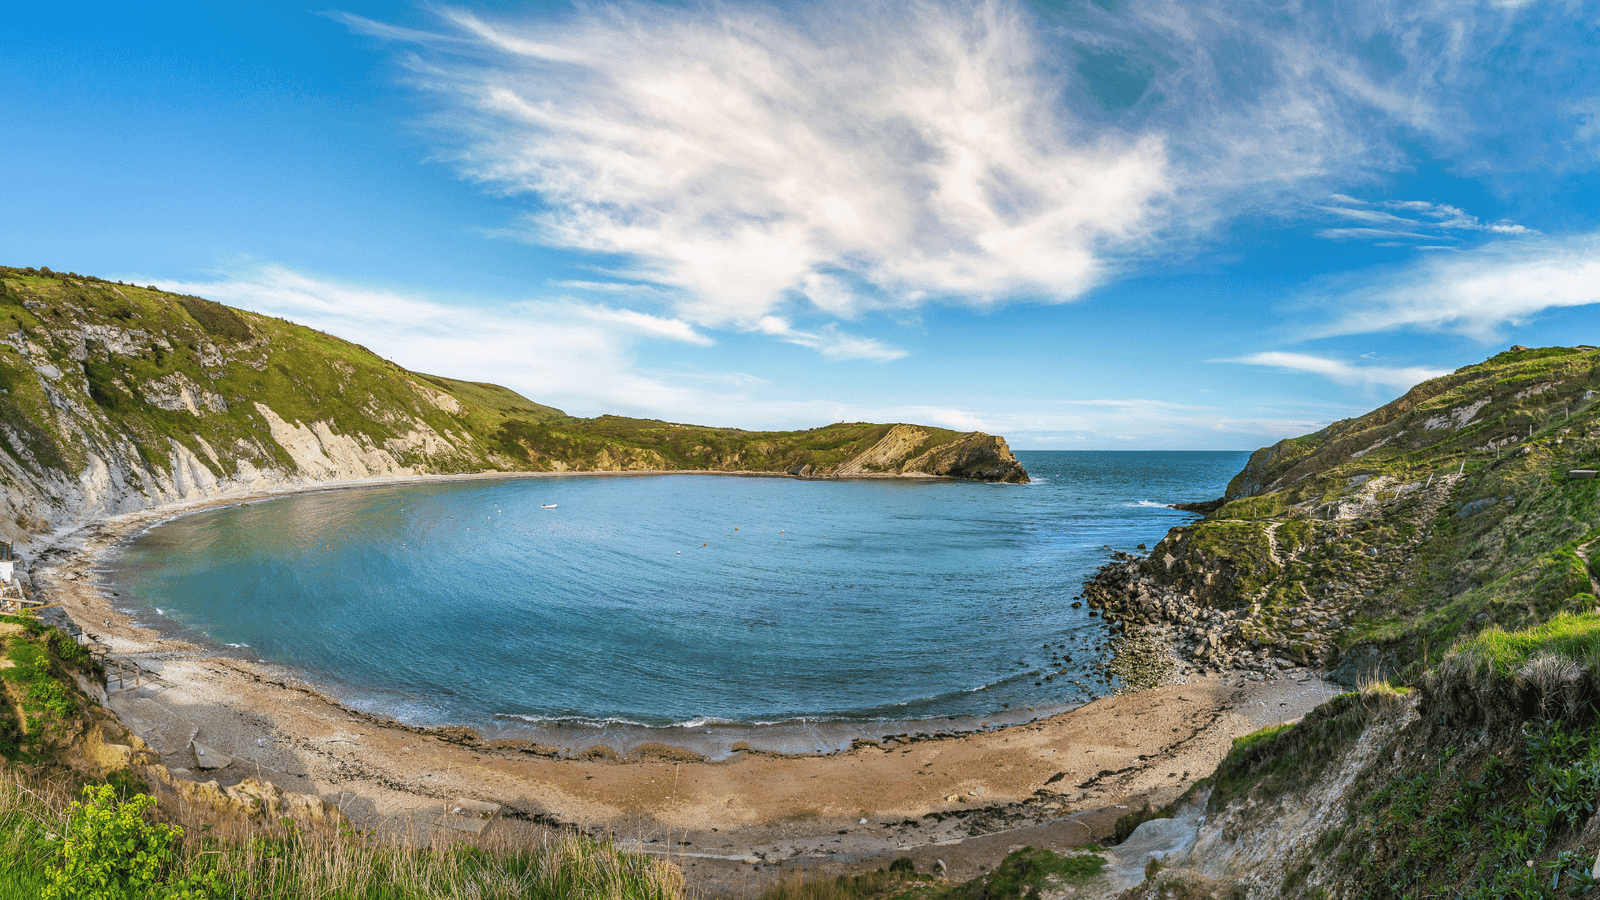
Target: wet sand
{"x": 965, "y": 799}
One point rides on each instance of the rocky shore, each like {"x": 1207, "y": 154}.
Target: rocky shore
{"x": 1258, "y": 595}
{"x": 1166, "y": 631}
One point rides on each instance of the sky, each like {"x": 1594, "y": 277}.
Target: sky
{"x": 1107, "y": 224}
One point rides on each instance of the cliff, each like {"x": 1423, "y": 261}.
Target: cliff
{"x": 1436, "y": 553}
{"x": 116, "y": 397}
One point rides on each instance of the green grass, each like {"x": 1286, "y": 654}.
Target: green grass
{"x": 1470, "y": 825}
{"x": 1576, "y": 637}
{"x": 1027, "y": 873}
{"x": 1243, "y": 744}
{"x": 39, "y": 683}
{"x": 21, "y": 884}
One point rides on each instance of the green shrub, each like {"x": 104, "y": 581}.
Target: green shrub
{"x": 1024, "y": 874}
{"x": 111, "y": 850}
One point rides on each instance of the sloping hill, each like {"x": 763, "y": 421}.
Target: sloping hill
{"x": 1385, "y": 538}
{"x": 1441, "y": 552}
{"x": 116, "y": 397}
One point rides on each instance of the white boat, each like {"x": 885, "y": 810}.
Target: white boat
{"x": 547, "y": 506}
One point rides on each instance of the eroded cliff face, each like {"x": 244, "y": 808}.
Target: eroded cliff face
{"x": 115, "y": 398}
{"x": 1477, "y": 784}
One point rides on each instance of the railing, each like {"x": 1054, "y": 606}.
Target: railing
{"x": 121, "y": 672}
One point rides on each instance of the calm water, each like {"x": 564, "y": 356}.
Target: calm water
{"x": 680, "y": 600}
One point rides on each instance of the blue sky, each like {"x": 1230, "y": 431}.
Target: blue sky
{"x": 1092, "y": 225}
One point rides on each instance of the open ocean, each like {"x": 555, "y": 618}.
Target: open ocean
{"x": 692, "y": 609}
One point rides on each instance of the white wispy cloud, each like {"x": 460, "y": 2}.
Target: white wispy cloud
{"x": 1476, "y": 293}
{"x": 830, "y": 341}
{"x": 739, "y": 154}
{"x": 752, "y": 160}
{"x": 1343, "y": 372}
{"x": 1409, "y": 220}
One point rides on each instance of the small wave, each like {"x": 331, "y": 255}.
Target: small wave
{"x": 574, "y": 721}
{"x": 701, "y": 722}
{"x": 1148, "y": 504}
{"x": 237, "y": 646}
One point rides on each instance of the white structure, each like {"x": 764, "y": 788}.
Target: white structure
{"x": 8, "y": 563}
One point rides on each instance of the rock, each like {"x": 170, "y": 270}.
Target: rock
{"x": 210, "y": 758}
{"x": 249, "y": 797}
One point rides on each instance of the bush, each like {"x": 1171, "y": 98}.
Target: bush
{"x": 110, "y": 850}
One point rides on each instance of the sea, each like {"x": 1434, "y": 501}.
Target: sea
{"x": 709, "y": 612}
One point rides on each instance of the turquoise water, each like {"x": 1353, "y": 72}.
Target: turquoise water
{"x": 687, "y": 602}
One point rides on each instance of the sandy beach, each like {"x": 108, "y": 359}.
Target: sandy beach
{"x": 965, "y": 799}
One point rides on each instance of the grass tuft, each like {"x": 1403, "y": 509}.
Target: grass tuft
{"x": 1573, "y": 636}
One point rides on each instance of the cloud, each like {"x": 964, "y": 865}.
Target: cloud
{"x": 760, "y": 159}
{"x": 1341, "y": 371}
{"x": 1420, "y": 220}
{"x": 830, "y": 341}
{"x": 1475, "y": 293}
{"x": 739, "y": 155}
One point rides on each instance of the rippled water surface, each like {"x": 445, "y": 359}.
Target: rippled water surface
{"x": 656, "y": 600}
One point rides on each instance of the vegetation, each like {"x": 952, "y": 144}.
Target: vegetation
{"x": 107, "y": 846}
{"x": 40, "y": 705}
{"x": 1490, "y": 827}
{"x": 1281, "y": 759}
{"x": 1574, "y": 637}
{"x": 1444, "y": 513}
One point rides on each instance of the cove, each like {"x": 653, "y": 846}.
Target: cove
{"x": 685, "y": 605}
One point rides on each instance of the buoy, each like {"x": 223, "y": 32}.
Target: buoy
{"x": 680, "y": 552}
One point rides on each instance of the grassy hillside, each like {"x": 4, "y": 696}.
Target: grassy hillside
{"x": 1384, "y": 539}
{"x": 115, "y": 395}
{"x": 1442, "y": 551}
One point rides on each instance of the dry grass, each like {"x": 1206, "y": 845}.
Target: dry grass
{"x": 285, "y": 861}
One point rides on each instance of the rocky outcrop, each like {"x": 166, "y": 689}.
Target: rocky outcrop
{"x": 1368, "y": 549}
{"x": 975, "y": 456}
{"x": 1336, "y": 549}
{"x": 905, "y": 450}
